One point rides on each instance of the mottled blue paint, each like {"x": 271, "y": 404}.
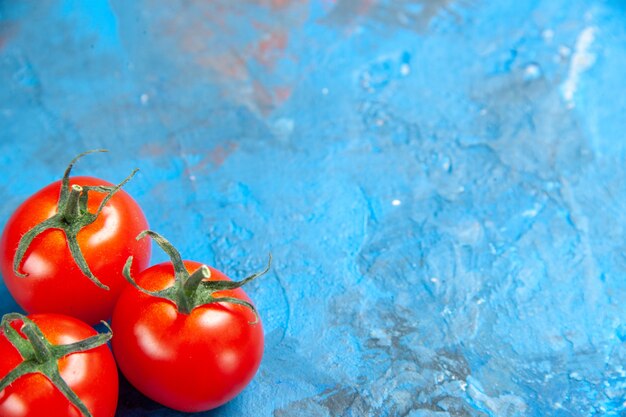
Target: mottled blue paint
{"x": 440, "y": 184}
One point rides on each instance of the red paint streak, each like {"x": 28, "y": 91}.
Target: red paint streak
{"x": 262, "y": 97}
{"x": 276, "y": 40}
{"x": 280, "y": 4}
{"x": 246, "y": 69}
{"x": 211, "y": 160}
{"x": 282, "y": 93}
{"x": 365, "y": 6}
{"x": 6, "y": 33}
{"x": 268, "y": 99}
{"x": 230, "y": 65}
{"x": 153, "y": 149}
{"x": 271, "y": 48}
{"x": 220, "y": 153}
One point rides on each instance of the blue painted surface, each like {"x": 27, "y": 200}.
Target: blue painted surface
{"x": 440, "y": 183}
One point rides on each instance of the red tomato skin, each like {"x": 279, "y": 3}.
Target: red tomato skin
{"x": 54, "y": 283}
{"x": 190, "y": 363}
{"x": 92, "y": 375}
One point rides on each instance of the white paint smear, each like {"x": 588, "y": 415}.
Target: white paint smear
{"x": 582, "y": 60}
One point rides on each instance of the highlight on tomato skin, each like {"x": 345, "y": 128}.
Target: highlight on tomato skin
{"x": 84, "y": 363}
{"x": 76, "y": 271}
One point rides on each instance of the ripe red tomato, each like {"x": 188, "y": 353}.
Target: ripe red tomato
{"x": 192, "y": 361}
{"x": 54, "y": 282}
{"x": 91, "y": 374}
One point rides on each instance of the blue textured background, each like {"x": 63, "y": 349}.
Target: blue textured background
{"x": 440, "y": 183}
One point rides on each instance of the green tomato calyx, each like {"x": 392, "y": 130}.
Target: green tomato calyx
{"x": 40, "y": 356}
{"x": 71, "y": 217}
{"x": 193, "y": 290}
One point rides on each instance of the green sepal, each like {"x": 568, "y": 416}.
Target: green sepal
{"x": 207, "y": 298}
{"x": 71, "y": 217}
{"x": 27, "y": 239}
{"x": 65, "y": 181}
{"x": 167, "y": 293}
{"x": 192, "y": 290}
{"x": 40, "y": 356}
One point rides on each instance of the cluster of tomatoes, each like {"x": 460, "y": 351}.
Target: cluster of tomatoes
{"x": 76, "y": 253}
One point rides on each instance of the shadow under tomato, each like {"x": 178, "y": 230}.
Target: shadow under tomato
{"x": 133, "y": 403}
{"x": 7, "y": 303}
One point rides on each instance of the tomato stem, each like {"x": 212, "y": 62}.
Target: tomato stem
{"x": 40, "y": 356}
{"x": 189, "y": 286}
{"x": 72, "y": 211}
{"x": 72, "y": 216}
{"x": 40, "y": 348}
{"x": 192, "y": 290}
